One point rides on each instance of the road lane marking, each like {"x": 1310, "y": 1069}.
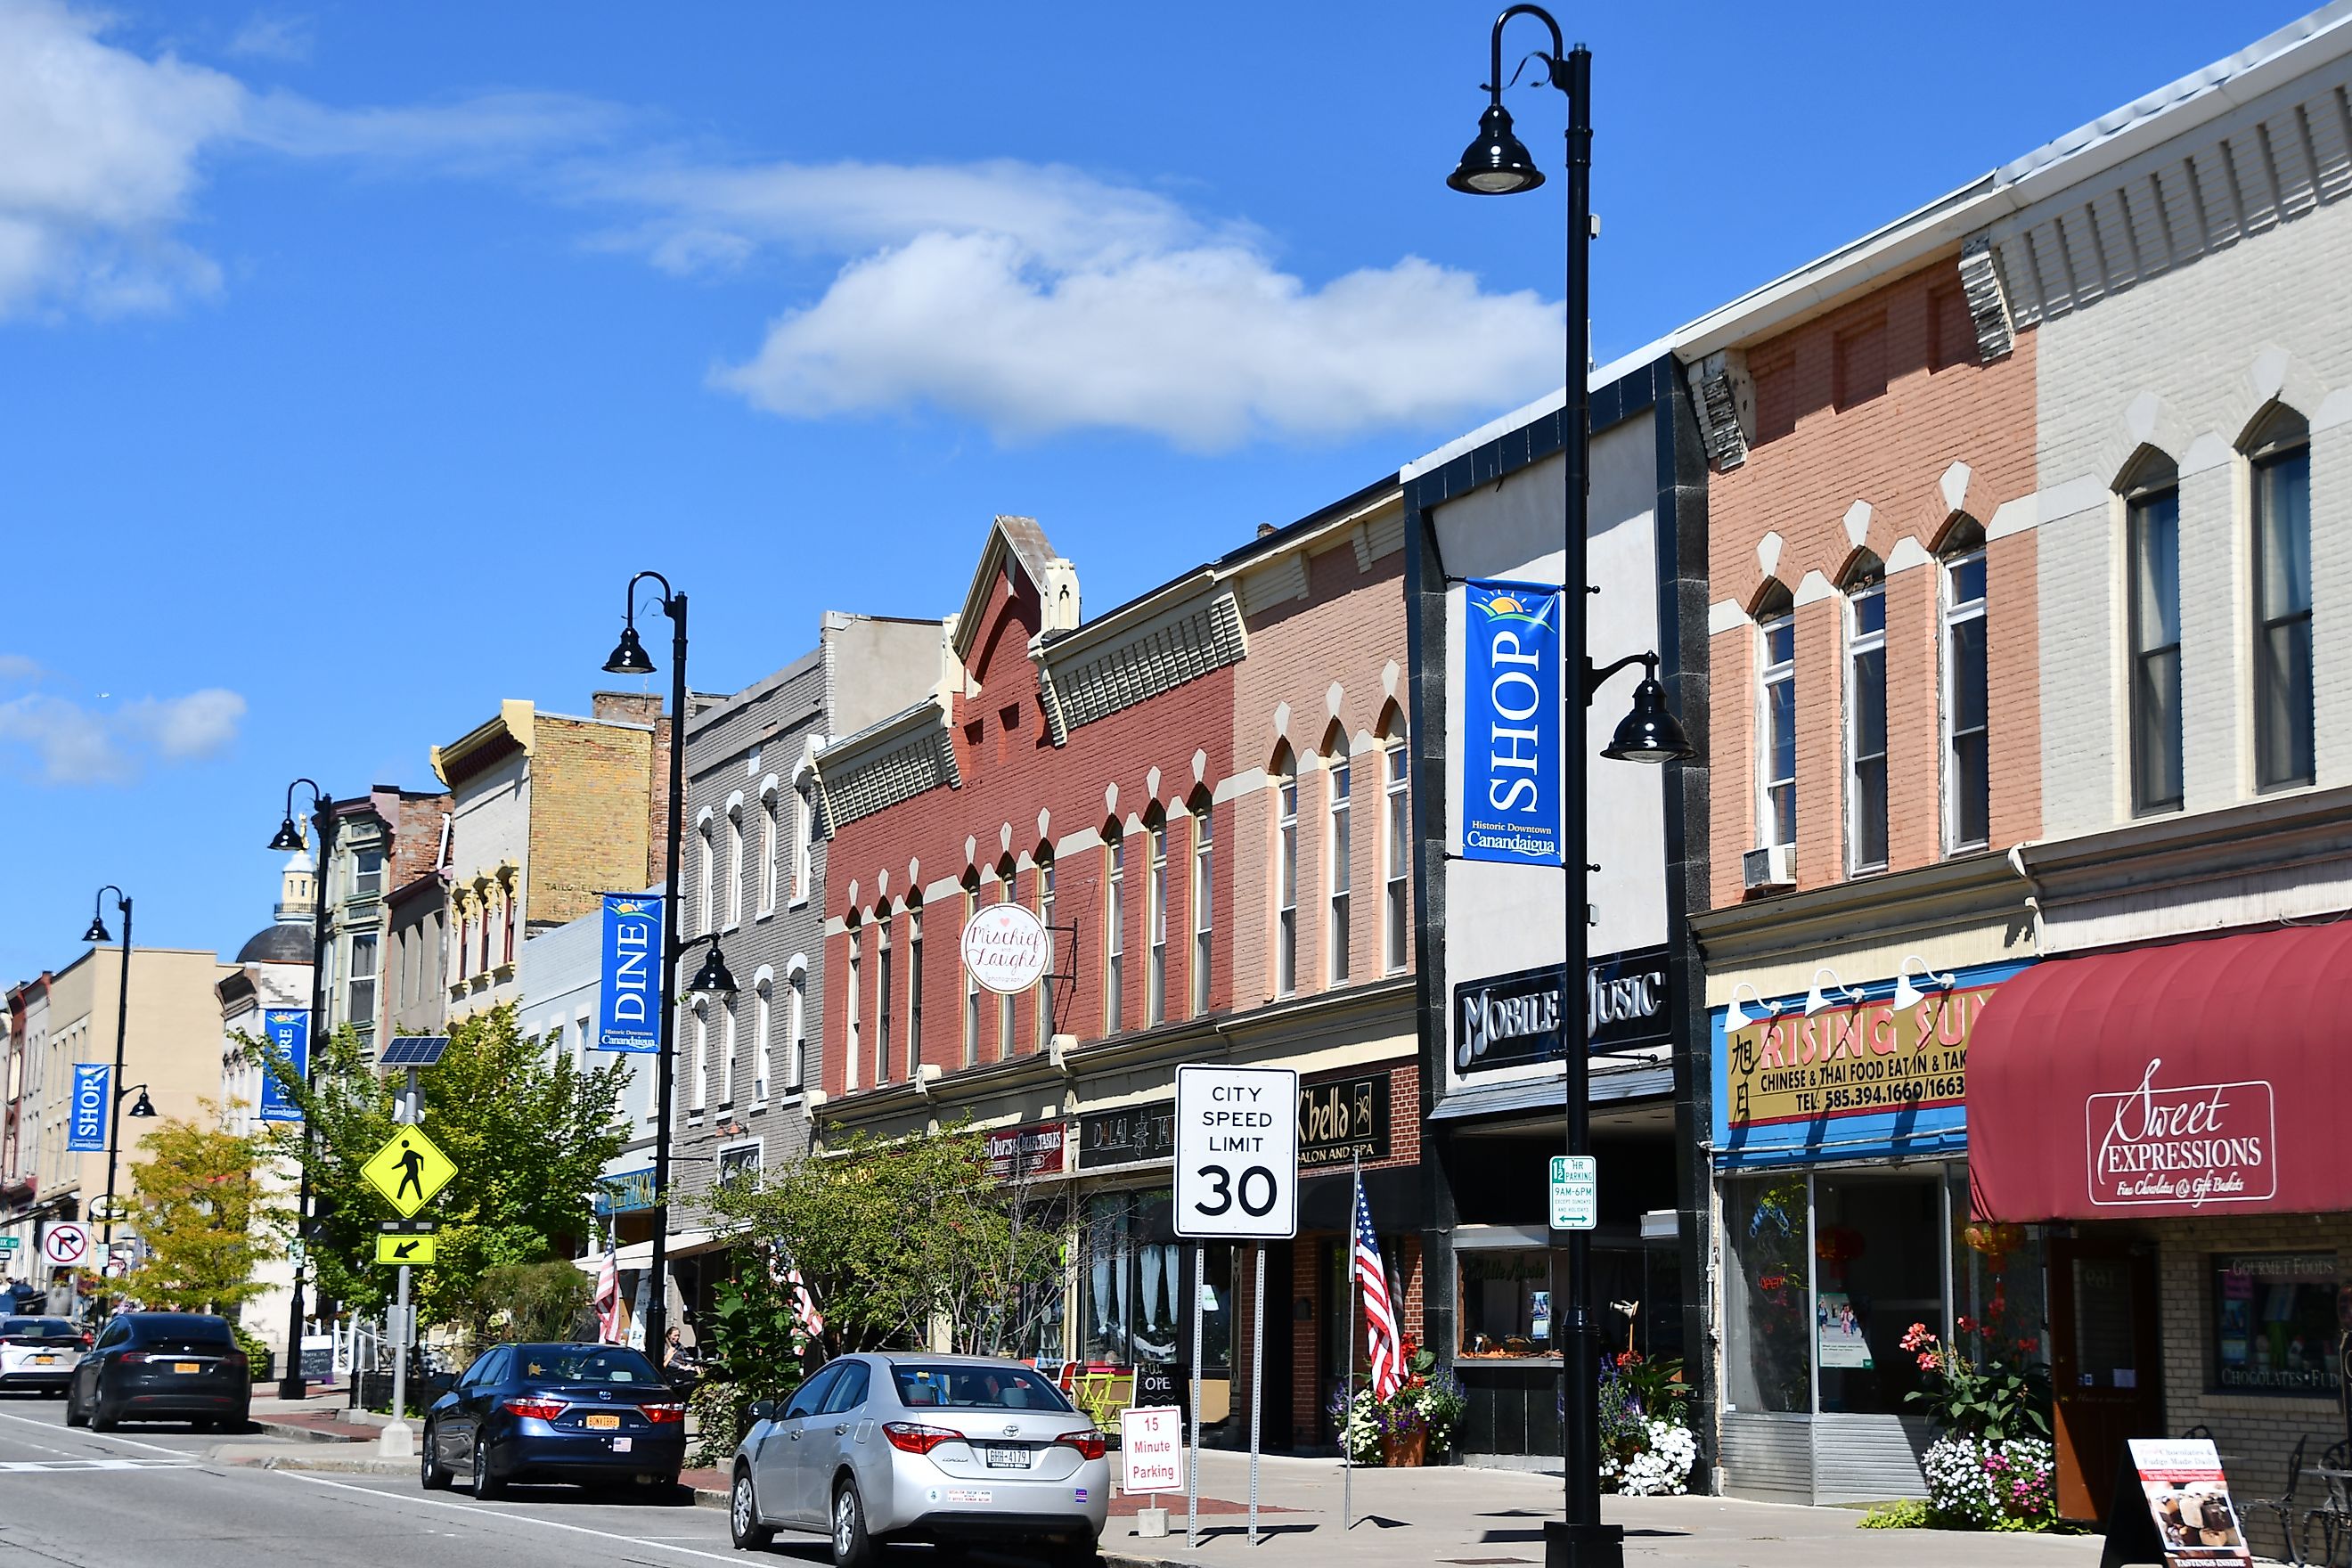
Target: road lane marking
{"x": 478, "y": 1508}
{"x": 67, "y": 1466}
{"x": 100, "y": 1437}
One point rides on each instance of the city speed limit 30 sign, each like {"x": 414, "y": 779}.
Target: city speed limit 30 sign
{"x": 1237, "y": 1154}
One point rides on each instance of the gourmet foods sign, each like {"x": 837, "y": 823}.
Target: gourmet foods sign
{"x": 2174, "y": 1144}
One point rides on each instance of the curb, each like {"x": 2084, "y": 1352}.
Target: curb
{"x": 300, "y": 1433}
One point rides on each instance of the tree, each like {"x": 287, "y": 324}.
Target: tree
{"x": 895, "y": 1237}
{"x": 206, "y": 1217}
{"x": 529, "y": 1133}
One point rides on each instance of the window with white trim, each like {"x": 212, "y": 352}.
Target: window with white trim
{"x": 1968, "y": 691}
{"x": 768, "y": 852}
{"x": 1114, "y": 933}
{"x": 2280, "y": 458}
{"x": 796, "y": 1031}
{"x": 735, "y": 865}
{"x": 882, "y": 995}
{"x": 1007, "y": 875}
{"x": 727, "y": 1014}
{"x": 1339, "y": 860}
{"x": 701, "y": 1057}
{"x": 914, "y": 991}
{"x": 1203, "y": 900}
{"x": 762, "y": 1021}
{"x": 803, "y": 839}
{"x": 1866, "y": 716}
{"x": 2152, "y": 544}
{"x": 1155, "y": 921}
{"x": 851, "y": 1035}
{"x": 1045, "y": 918}
{"x": 970, "y": 985}
{"x": 706, "y": 860}
{"x": 1776, "y": 719}
{"x": 1286, "y": 874}
{"x": 1396, "y": 806}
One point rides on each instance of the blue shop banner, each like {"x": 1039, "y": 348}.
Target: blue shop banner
{"x": 1511, "y": 718}
{"x": 287, "y": 1033}
{"x": 628, "y": 993}
{"x": 93, "y": 1096}
{"x": 1861, "y": 1076}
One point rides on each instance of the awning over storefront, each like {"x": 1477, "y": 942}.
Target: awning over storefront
{"x": 2197, "y": 1077}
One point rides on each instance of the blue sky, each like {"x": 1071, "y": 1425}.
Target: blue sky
{"x": 352, "y": 356}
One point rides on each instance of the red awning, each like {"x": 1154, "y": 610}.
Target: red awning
{"x": 2208, "y": 1077}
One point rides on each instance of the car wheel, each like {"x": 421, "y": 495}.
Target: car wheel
{"x": 486, "y": 1485}
{"x": 743, "y": 1515}
{"x": 852, "y": 1547}
{"x": 75, "y": 1415}
{"x": 429, "y": 1470}
{"x": 101, "y": 1420}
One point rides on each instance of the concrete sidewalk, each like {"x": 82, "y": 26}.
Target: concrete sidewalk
{"x": 1451, "y": 1515}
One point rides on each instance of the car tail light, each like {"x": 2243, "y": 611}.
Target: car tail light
{"x": 535, "y": 1409}
{"x": 87, "y": 1340}
{"x": 233, "y": 1359}
{"x": 914, "y": 1437}
{"x": 126, "y": 1357}
{"x": 1090, "y": 1444}
{"x": 663, "y": 1415}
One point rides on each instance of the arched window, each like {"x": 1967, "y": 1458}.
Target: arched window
{"x": 882, "y": 994}
{"x": 768, "y": 848}
{"x": 1396, "y": 839}
{"x": 1284, "y": 771}
{"x": 706, "y": 875}
{"x": 1776, "y": 716}
{"x": 1155, "y": 917}
{"x": 763, "y": 998}
{"x": 735, "y": 862}
{"x": 803, "y": 838}
{"x": 2151, "y": 495}
{"x": 1007, "y": 875}
{"x": 1114, "y": 928}
{"x": 1864, "y": 586}
{"x": 970, "y": 985}
{"x": 2279, "y": 452}
{"x": 1203, "y": 900}
{"x": 796, "y": 1028}
{"x": 914, "y": 989}
{"x": 726, "y": 1015}
{"x": 701, "y": 1081}
{"x": 1045, "y": 859}
{"x": 851, "y": 1035}
{"x": 1339, "y": 860}
{"x": 1967, "y": 686}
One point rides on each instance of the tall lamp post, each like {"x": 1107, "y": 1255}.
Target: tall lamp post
{"x": 629, "y": 658}
{"x": 1496, "y": 163}
{"x": 97, "y": 932}
{"x": 292, "y": 1385}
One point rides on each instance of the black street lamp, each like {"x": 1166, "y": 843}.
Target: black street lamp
{"x": 97, "y": 932}
{"x": 292, "y": 1385}
{"x": 629, "y": 658}
{"x": 1496, "y": 163}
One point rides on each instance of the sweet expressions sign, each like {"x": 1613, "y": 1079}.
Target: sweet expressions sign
{"x": 2189, "y": 1144}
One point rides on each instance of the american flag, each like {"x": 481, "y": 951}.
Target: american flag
{"x": 608, "y": 1296}
{"x": 805, "y": 1317}
{"x": 1379, "y": 1313}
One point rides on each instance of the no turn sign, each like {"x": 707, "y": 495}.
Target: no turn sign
{"x": 1237, "y": 1154}
{"x": 65, "y": 1244}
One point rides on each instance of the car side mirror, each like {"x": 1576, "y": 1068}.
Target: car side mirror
{"x": 763, "y": 1410}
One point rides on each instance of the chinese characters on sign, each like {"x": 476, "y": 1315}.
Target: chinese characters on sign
{"x": 1852, "y": 1060}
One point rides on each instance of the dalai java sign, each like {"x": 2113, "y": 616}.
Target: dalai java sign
{"x": 1853, "y": 1061}
{"x": 2194, "y": 1144}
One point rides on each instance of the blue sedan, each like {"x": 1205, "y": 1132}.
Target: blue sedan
{"x": 579, "y": 1413}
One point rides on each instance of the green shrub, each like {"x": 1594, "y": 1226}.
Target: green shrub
{"x": 1910, "y": 1513}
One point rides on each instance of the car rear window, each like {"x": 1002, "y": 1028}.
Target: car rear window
{"x": 922, "y": 1385}
{"x": 38, "y": 1329}
{"x": 182, "y": 1332}
{"x": 616, "y": 1364}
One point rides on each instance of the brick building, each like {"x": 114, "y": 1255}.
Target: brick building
{"x": 384, "y": 840}
{"x": 547, "y": 811}
{"x": 1192, "y": 791}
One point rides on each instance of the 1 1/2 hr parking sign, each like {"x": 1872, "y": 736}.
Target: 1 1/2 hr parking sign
{"x": 1237, "y": 1154}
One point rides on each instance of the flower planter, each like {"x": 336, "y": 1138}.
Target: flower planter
{"x": 1409, "y": 1450}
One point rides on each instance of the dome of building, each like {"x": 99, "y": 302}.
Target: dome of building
{"x": 282, "y": 942}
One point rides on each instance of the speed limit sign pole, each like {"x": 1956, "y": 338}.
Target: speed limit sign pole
{"x": 1237, "y": 1181}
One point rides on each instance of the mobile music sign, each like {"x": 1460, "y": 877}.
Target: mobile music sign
{"x": 1237, "y": 1180}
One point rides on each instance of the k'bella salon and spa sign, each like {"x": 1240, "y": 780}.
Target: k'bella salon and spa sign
{"x": 1853, "y": 1061}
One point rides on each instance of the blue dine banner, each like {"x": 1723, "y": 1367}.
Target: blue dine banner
{"x": 93, "y": 1096}
{"x": 628, "y": 992}
{"x": 287, "y": 1031}
{"x": 1511, "y": 718}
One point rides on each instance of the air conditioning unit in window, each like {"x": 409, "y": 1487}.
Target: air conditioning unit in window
{"x": 1774, "y": 866}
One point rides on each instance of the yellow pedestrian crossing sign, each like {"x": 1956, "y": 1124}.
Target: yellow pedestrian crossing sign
{"x": 405, "y": 1249}
{"x": 408, "y": 1170}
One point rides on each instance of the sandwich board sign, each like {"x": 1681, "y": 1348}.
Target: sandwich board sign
{"x": 1236, "y": 1154}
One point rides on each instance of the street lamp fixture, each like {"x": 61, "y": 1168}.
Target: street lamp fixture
{"x": 1498, "y": 163}
{"x": 142, "y": 1107}
{"x": 714, "y": 978}
{"x": 289, "y": 839}
{"x": 97, "y": 932}
{"x": 629, "y": 658}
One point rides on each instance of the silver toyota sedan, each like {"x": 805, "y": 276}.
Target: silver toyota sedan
{"x": 956, "y": 1450}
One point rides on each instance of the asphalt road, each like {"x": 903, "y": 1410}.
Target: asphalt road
{"x": 150, "y": 1498}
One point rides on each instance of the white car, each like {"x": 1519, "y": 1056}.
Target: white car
{"x": 956, "y": 1450}
{"x": 39, "y": 1352}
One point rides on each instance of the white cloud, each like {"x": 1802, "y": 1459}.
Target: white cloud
{"x": 1034, "y": 300}
{"x": 264, "y": 36}
{"x": 75, "y": 744}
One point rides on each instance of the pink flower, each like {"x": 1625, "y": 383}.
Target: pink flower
{"x": 1968, "y": 1325}
{"x": 1926, "y": 1361}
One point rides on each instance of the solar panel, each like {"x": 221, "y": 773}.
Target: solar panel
{"x": 414, "y": 1051}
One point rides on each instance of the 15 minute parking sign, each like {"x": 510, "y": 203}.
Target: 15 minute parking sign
{"x": 1237, "y": 1154}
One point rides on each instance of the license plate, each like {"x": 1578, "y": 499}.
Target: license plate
{"x": 186, "y": 1366}
{"x": 45, "y": 1361}
{"x": 605, "y": 1423}
{"x": 1003, "y": 1459}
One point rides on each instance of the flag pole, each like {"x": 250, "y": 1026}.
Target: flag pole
{"x": 1348, "y": 1396}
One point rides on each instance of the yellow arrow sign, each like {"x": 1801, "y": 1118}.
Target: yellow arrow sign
{"x": 405, "y": 1249}
{"x": 408, "y": 1170}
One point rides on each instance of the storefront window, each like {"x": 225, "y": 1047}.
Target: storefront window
{"x": 1767, "y": 1295}
{"x": 1132, "y": 1276}
{"x": 1879, "y": 1270}
{"x": 1505, "y": 1305}
{"x": 1998, "y": 1277}
{"x": 2275, "y": 1322}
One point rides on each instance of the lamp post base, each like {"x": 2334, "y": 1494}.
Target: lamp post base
{"x": 1583, "y": 1545}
